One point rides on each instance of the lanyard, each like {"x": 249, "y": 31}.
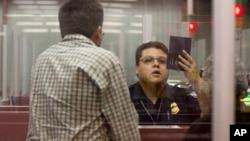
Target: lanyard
{"x": 158, "y": 114}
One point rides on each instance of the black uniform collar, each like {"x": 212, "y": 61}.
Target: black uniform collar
{"x": 138, "y": 93}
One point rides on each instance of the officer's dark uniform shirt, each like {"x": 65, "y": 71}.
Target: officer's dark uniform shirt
{"x": 174, "y": 106}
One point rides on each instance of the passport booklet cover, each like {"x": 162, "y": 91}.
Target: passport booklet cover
{"x": 176, "y": 45}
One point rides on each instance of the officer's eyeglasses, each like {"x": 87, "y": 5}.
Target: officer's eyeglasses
{"x": 151, "y": 60}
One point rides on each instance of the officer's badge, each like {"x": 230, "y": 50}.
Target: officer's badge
{"x": 174, "y": 108}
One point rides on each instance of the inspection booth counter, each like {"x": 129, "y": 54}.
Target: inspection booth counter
{"x": 162, "y": 133}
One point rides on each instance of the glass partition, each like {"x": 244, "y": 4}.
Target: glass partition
{"x": 30, "y": 28}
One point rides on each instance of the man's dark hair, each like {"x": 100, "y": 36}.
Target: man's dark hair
{"x": 150, "y": 44}
{"x": 80, "y": 17}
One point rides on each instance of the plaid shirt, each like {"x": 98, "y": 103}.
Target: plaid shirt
{"x": 79, "y": 93}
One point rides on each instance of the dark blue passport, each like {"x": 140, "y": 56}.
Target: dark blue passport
{"x": 176, "y": 45}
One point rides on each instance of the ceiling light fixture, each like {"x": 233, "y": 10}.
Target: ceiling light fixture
{"x": 52, "y": 23}
{"x": 111, "y": 31}
{"x": 20, "y": 15}
{"x": 27, "y": 7}
{"x": 35, "y": 30}
{"x": 113, "y": 24}
{"x": 47, "y": 2}
{"x": 120, "y": 5}
{"x": 48, "y": 15}
{"x": 29, "y": 23}
{"x": 23, "y": 2}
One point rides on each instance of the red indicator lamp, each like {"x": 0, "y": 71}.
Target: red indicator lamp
{"x": 191, "y": 26}
{"x": 238, "y": 10}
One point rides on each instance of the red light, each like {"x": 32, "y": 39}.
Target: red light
{"x": 238, "y": 10}
{"x": 191, "y": 26}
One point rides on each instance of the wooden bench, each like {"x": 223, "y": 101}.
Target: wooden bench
{"x": 13, "y": 108}
{"x": 13, "y": 125}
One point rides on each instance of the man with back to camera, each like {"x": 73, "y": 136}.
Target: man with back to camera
{"x": 156, "y": 102}
{"x": 79, "y": 91}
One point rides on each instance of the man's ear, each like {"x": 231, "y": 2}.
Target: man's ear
{"x": 136, "y": 69}
{"x": 97, "y": 36}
